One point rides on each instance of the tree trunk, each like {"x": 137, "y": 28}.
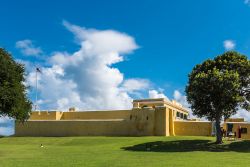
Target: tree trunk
{"x": 218, "y": 131}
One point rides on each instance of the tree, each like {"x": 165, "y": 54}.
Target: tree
{"x": 218, "y": 88}
{"x": 13, "y": 97}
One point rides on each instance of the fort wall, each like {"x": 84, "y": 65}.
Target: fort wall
{"x": 150, "y": 117}
{"x": 115, "y": 114}
{"x": 192, "y": 128}
{"x": 135, "y": 122}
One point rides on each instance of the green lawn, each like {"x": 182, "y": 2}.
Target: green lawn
{"x": 122, "y": 151}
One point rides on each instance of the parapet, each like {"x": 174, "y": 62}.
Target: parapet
{"x": 141, "y": 103}
{"x": 46, "y": 115}
{"x": 72, "y": 109}
{"x": 235, "y": 120}
{"x": 157, "y": 102}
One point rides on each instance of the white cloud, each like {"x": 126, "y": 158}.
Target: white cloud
{"x": 6, "y": 131}
{"x": 28, "y": 48}
{"x": 86, "y": 78}
{"x": 155, "y": 94}
{"x": 182, "y": 99}
{"x": 229, "y": 44}
{"x": 242, "y": 114}
{"x": 6, "y": 126}
{"x": 29, "y": 66}
{"x": 247, "y": 2}
{"x": 105, "y": 41}
{"x": 4, "y": 120}
{"x": 135, "y": 84}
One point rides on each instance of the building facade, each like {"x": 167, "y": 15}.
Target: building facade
{"x": 148, "y": 117}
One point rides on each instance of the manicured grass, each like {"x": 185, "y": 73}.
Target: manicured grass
{"x": 122, "y": 151}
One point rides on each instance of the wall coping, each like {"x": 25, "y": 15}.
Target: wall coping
{"x": 191, "y": 121}
{"x": 83, "y": 120}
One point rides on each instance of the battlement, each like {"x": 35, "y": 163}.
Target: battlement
{"x": 46, "y": 115}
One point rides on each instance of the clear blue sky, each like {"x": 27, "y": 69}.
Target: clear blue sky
{"x": 173, "y": 35}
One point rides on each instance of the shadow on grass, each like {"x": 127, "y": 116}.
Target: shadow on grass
{"x": 190, "y": 145}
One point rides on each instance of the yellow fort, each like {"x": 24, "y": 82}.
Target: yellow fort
{"x": 148, "y": 117}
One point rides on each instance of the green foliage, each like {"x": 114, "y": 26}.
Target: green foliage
{"x": 13, "y": 98}
{"x": 217, "y": 88}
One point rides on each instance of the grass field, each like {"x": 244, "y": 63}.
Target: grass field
{"x": 122, "y": 151}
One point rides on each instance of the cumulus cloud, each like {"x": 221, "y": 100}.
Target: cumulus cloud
{"x": 6, "y": 131}
{"x": 182, "y": 99}
{"x": 6, "y": 126}
{"x": 135, "y": 84}
{"x": 241, "y": 113}
{"x": 4, "y": 120}
{"x": 29, "y": 66}
{"x": 156, "y": 94}
{"x": 229, "y": 44}
{"x": 86, "y": 78}
{"x": 28, "y": 48}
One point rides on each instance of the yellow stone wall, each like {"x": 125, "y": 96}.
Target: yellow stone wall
{"x": 115, "y": 114}
{"x": 171, "y": 122}
{"x": 192, "y": 128}
{"x": 159, "y": 119}
{"x": 74, "y": 128}
{"x": 135, "y": 122}
{"x": 46, "y": 115}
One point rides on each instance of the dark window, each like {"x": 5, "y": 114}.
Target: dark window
{"x": 181, "y": 115}
{"x": 178, "y": 114}
{"x": 147, "y": 117}
{"x": 185, "y": 116}
{"x": 130, "y": 117}
{"x": 243, "y": 130}
{"x": 230, "y": 127}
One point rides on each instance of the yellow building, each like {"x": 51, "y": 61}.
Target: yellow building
{"x": 238, "y": 127}
{"x": 148, "y": 117}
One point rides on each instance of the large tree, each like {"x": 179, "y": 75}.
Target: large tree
{"x": 218, "y": 88}
{"x": 13, "y": 98}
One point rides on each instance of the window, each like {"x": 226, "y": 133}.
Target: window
{"x": 178, "y": 114}
{"x": 182, "y": 115}
{"x": 185, "y": 116}
{"x": 243, "y": 130}
{"x": 230, "y": 127}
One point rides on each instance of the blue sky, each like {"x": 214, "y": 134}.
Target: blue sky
{"x": 170, "y": 37}
{"x": 173, "y": 35}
